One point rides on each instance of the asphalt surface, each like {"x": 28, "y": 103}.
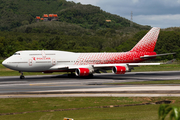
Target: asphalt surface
{"x": 64, "y": 86}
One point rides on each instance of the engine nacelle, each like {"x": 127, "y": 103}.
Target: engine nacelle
{"x": 119, "y": 69}
{"x": 82, "y": 72}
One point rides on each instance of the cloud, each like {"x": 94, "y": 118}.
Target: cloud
{"x": 135, "y": 1}
{"x": 164, "y": 13}
{"x": 141, "y": 7}
{"x": 162, "y": 21}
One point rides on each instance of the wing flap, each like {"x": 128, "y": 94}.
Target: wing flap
{"x": 55, "y": 67}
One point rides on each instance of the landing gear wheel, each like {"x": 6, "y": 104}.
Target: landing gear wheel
{"x": 22, "y": 77}
{"x": 90, "y": 76}
{"x": 72, "y": 75}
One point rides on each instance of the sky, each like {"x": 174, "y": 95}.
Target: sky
{"x": 155, "y": 13}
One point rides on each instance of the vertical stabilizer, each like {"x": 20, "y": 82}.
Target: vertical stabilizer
{"x": 148, "y": 42}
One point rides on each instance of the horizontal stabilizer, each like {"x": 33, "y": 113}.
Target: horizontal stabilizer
{"x": 151, "y": 56}
{"x": 140, "y": 64}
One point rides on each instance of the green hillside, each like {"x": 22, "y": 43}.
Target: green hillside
{"x": 93, "y": 17}
{"x": 52, "y": 27}
{"x": 16, "y": 13}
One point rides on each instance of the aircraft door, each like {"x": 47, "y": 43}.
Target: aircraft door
{"x": 43, "y": 54}
{"x": 53, "y": 61}
{"x": 30, "y": 62}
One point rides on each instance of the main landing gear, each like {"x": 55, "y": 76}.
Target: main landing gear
{"x": 72, "y": 75}
{"x": 22, "y": 75}
{"x": 90, "y": 76}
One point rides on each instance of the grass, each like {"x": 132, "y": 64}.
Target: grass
{"x": 36, "y": 104}
{"x": 163, "y": 67}
{"x": 41, "y": 108}
{"x": 126, "y": 113}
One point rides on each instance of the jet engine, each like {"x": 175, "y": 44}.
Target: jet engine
{"x": 82, "y": 72}
{"x": 119, "y": 69}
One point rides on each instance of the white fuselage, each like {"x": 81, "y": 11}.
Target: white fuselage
{"x": 51, "y": 60}
{"x": 31, "y": 61}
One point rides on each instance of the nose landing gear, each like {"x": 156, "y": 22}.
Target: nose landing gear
{"x": 22, "y": 75}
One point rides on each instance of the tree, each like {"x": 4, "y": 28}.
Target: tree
{"x": 164, "y": 110}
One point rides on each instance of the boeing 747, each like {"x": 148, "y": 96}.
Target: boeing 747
{"x": 85, "y": 64}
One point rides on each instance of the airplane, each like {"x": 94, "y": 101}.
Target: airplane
{"x": 85, "y": 64}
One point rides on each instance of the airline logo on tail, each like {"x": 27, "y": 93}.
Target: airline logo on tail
{"x": 148, "y": 42}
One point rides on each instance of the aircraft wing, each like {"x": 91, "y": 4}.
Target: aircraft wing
{"x": 101, "y": 66}
{"x": 123, "y": 64}
{"x": 85, "y": 70}
{"x": 55, "y": 67}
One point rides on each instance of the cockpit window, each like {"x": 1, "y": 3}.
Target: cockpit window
{"x": 16, "y": 53}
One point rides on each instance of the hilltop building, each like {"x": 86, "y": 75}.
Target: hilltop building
{"x": 37, "y": 18}
{"x": 46, "y": 17}
{"x": 108, "y": 20}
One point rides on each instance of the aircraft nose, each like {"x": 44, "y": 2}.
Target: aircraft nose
{"x": 9, "y": 63}
{"x": 4, "y": 63}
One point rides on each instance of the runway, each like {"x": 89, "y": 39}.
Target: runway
{"x": 63, "y": 86}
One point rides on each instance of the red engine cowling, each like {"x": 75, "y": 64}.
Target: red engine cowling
{"x": 82, "y": 72}
{"x": 119, "y": 70}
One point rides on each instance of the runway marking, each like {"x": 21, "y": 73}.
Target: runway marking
{"x": 41, "y": 84}
{"x": 8, "y": 82}
{"x": 46, "y": 84}
{"x": 13, "y": 85}
{"x": 68, "y": 82}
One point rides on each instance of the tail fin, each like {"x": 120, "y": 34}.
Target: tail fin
{"x": 148, "y": 42}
